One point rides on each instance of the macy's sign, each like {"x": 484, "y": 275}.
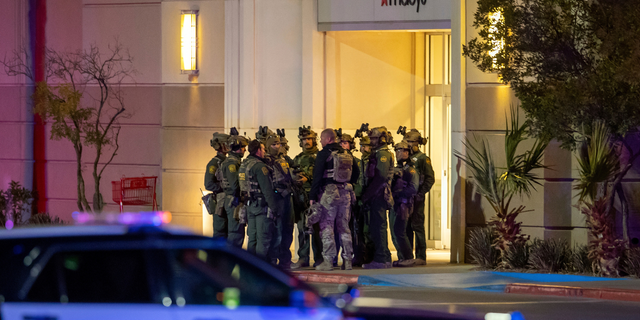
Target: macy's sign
{"x": 405, "y": 3}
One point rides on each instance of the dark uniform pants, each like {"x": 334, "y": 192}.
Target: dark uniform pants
{"x": 416, "y": 225}
{"x": 236, "y": 230}
{"x": 285, "y": 229}
{"x": 378, "y": 229}
{"x": 399, "y": 235}
{"x": 261, "y": 232}
{"x": 220, "y": 223}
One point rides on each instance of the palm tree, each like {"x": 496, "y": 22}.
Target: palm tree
{"x": 500, "y": 185}
{"x": 597, "y": 165}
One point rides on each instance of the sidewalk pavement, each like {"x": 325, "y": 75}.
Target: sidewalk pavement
{"x": 440, "y": 274}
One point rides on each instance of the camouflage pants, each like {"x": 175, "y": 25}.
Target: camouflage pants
{"x": 336, "y": 203}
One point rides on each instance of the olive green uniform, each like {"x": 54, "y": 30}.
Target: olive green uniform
{"x": 231, "y": 187}
{"x": 377, "y": 198}
{"x": 422, "y": 164}
{"x": 261, "y": 206}
{"x": 220, "y": 223}
{"x": 282, "y": 180}
{"x": 404, "y": 187}
{"x": 305, "y": 161}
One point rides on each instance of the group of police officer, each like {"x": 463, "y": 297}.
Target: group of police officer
{"x": 335, "y": 200}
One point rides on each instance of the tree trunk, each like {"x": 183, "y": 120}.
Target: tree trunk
{"x": 83, "y": 204}
{"x": 624, "y": 206}
{"x": 98, "y": 203}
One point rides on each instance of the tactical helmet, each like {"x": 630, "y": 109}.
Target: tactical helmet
{"x": 218, "y": 140}
{"x": 307, "y": 133}
{"x": 416, "y": 139}
{"x": 365, "y": 141}
{"x": 402, "y": 145}
{"x": 382, "y": 134}
{"x": 268, "y": 137}
{"x": 237, "y": 142}
{"x": 415, "y": 136}
{"x": 348, "y": 138}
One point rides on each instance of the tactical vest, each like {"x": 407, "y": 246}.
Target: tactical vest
{"x": 415, "y": 157}
{"x": 220, "y": 172}
{"x": 218, "y": 181}
{"x": 342, "y": 166}
{"x": 248, "y": 183}
{"x": 278, "y": 175}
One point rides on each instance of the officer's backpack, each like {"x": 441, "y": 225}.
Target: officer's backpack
{"x": 342, "y": 166}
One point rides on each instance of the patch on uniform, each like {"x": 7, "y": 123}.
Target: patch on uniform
{"x": 383, "y": 159}
{"x": 232, "y": 168}
{"x": 212, "y": 169}
{"x": 241, "y": 176}
{"x": 412, "y": 171}
{"x": 428, "y": 161}
{"x": 265, "y": 171}
{"x": 415, "y": 159}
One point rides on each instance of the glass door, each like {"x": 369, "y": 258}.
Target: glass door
{"x": 438, "y": 93}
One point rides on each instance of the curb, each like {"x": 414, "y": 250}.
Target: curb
{"x": 321, "y": 277}
{"x": 593, "y": 293}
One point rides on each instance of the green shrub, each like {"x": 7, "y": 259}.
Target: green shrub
{"x": 551, "y": 255}
{"x": 630, "y": 263}
{"x": 481, "y": 248}
{"x": 517, "y": 256}
{"x": 580, "y": 261}
{"x": 44, "y": 219}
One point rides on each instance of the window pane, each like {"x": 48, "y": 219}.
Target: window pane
{"x": 203, "y": 277}
{"x": 97, "y": 276}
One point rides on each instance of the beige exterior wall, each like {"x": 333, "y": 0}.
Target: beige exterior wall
{"x": 172, "y": 115}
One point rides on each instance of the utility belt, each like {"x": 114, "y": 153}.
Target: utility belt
{"x": 256, "y": 201}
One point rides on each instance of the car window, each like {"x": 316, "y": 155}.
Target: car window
{"x": 93, "y": 276}
{"x": 213, "y": 277}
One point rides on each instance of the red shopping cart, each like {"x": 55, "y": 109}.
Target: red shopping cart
{"x": 138, "y": 191}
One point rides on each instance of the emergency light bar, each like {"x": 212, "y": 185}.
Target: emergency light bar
{"x": 151, "y": 218}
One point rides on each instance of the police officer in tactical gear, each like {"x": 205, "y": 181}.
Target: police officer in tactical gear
{"x": 356, "y": 222}
{"x": 211, "y": 183}
{"x": 367, "y": 248}
{"x": 230, "y": 183}
{"x": 305, "y": 162}
{"x": 404, "y": 187}
{"x": 377, "y": 195}
{"x": 282, "y": 183}
{"x": 334, "y": 173}
{"x": 422, "y": 163}
{"x": 257, "y": 189}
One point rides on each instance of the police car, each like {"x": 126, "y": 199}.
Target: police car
{"x": 134, "y": 266}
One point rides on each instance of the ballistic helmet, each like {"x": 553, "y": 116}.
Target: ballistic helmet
{"x": 307, "y": 133}
{"x": 236, "y": 141}
{"x": 365, "y": 141}
{"x": 381, "y": 134}
{"x": 402, "y": 145}
{"x": 218, "y": 140}
{"x": 348, "y": 138}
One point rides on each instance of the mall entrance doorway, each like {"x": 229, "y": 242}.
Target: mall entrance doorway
{"x": 392, "y": 79}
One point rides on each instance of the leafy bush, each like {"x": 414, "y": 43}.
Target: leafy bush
{"x": 631, "y": 262}
{"x": 44, "y": 219}
{"x": 580, "y": 261}
{"x": 517, "y": 256}
{"x": 481, "y": 247}
{"x": 550, "y": 255}
{"x": 14, "y": 203}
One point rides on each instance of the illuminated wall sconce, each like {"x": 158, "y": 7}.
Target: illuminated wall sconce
{"x": 189, "y": 32}
{"x": 497, "y": 42}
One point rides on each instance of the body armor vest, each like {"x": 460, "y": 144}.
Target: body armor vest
{"x": 223, "y": 177}
{"x": 249, "y": 186}
{"x": 342, "y": 166}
